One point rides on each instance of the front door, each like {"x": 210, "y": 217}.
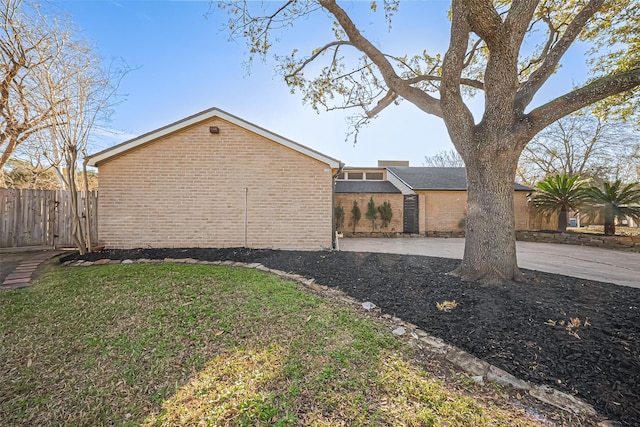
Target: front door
{"x": 410, "y": 219}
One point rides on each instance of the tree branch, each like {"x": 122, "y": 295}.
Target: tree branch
{"x": 382, "y": 104}
{"x": 484, "y": 20}
{"x": 457, "y": 115}
{"x": 518, "y": 19}
{"x": 528, "y": 89}
{"x": 422, "y": 100}
{"x": 595, "y": 91}
{"x": 472, "y": 53}
{"x": 553, "y": 37}
{"x": 317, "y": 53}
{"x": 476, "y": 84}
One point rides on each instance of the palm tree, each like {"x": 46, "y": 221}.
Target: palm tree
{"x": 561, "y": 194}
{"x": 614, "y": 201}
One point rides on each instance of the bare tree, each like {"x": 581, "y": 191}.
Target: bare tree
{"x": 444, "y": 159}
{"x": 85, "y": 99}
{"x": 30, "y": 44}
{"x": 485, "y": 55}
{"x": 54, "y": 91}
{"x": 584, "y": 145}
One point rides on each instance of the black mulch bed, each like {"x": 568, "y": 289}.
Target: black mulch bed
{"x": 510, "y": 326}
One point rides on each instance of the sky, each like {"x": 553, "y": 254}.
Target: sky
{"x": 182, "y": 62}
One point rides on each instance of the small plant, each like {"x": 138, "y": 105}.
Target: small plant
{"x": 338, "y": 214}
{"x": 446, "y": 306}
{"x": 386, "y": 213}
{"x": 355, "y": 215}
{"x": 372, "y": 213}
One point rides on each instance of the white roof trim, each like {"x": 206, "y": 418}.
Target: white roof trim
{"x": 97, "y": 158}
{"x": 399, "y": 182}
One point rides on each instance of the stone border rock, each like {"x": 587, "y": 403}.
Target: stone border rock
{"x": 478, "y": 369}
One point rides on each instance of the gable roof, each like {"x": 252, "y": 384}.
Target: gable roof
{"x": 97, "y": 158}
{"x": 366, "y": 187}
{"x": 433, "y": 178}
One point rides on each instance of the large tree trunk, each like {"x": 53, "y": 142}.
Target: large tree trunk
{"x": 490, "y": 249}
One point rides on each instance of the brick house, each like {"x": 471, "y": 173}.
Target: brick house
{"x": 425, "y": 200}
{"x": 362, "y": 184}
{"x": 215, "y": 180}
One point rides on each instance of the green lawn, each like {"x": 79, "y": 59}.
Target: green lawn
{"x": 173, "y": 344}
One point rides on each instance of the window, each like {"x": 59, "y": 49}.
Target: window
{"x": 355, "y": 175}
{"x": 340, "y": 176}
{"x": 374, "y": 176}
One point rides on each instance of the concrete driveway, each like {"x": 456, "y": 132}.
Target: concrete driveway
{"x": 603, "y": 265}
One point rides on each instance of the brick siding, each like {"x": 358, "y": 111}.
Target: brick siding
{"x": 439, "y": 211}
{"x": 187, "y": 189}
{"x": 445, "y": 210}
{"x": 346, "y": 201}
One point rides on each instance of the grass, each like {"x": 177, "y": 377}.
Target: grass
{"x": 170, "y": 344}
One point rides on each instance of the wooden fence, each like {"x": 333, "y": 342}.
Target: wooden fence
{"x": 42, "y": 217}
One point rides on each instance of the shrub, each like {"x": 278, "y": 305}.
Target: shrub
{"x": 372, "y": 213}
{"x": 338, "y": 214}
{"x": 386, "y": 213}
{"x": 355, "y": 215}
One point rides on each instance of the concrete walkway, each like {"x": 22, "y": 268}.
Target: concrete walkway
{"x": 21, "y": 275}
{"x": 603, "y": 265}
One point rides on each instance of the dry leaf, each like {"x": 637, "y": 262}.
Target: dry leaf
{"x": 29, "y": 363}
{"x": 307, "y": 319}
{"x": 219, "y": 333}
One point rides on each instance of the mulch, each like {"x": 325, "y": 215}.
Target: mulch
{"x": 524, "y": 328}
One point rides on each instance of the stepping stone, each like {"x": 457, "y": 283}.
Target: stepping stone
{"x": 11, "y": 282}
{"x": 20, "y": 277}
{"x": 15, "y": 286}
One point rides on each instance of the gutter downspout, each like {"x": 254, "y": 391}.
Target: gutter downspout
{"x": 246, "y": 214}
{"x": 334, "y": 232}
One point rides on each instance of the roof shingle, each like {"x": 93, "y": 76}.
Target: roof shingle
{"x": 366, "y": 187}
{"x": 433, "y": 178}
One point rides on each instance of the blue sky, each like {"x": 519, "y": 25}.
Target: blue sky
{"x": 184, "y": 62}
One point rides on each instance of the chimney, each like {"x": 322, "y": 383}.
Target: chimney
{"x": 384, "y": 163}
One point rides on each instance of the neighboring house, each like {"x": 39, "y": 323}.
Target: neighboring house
{"x": 215, "y": 180}
{"x": 425, "y": 200}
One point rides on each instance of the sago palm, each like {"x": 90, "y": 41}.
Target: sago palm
{"x": 561, "y": 194}
{"x": 614, "y": 201}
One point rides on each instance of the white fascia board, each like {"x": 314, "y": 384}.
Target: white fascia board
{"x": 95, "y": 159}
{"x": 399, "y": 183}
